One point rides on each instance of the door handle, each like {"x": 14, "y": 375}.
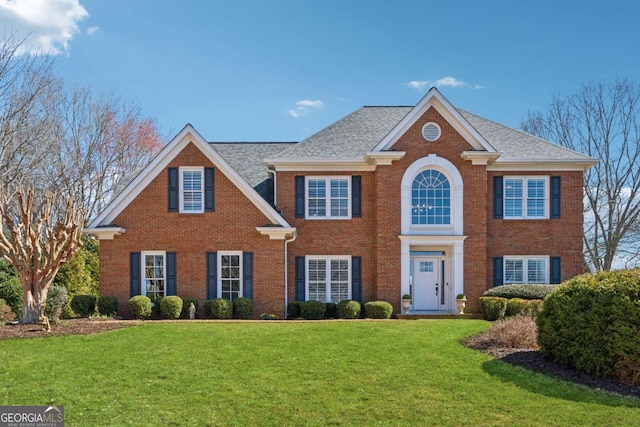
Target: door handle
{"x": 436, "y": 289}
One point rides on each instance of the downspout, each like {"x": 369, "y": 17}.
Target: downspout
{"x": 275, "y": 184}
{"x": 286, "y": 274}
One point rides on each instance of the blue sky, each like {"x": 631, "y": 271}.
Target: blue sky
{"x": 280, "y": 70}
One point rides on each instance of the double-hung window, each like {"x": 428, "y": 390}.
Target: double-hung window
{"x": 329, "y": 278}
{"x": 155, "y": 273}
{"x": 526, "y": 197}
{"x": 528, "y": 269}
{"x": 191, "y": 190}
{"x": 230, "y": 275}
{"x": 328, "y": 197}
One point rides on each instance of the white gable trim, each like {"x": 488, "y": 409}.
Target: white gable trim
{"x": 161, "y": 161}
{"x": 434, "y": 99}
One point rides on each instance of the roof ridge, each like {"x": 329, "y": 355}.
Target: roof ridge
{"x": 252, "y": 142}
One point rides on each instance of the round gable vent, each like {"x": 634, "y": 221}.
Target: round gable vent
{"x": 431, "y": 131}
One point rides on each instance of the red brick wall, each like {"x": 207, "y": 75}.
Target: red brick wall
{"x": 231, "y": 227}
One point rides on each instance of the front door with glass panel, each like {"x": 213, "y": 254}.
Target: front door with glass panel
{"x": 426, "y": 283}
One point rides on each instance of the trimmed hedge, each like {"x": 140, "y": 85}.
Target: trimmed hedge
{"x": 293, "y": 310}
{"x": 591, "y": 323}
{"x": 312, "y": 310}
{"x": 107, "y": 305}
{"x": 242, "y": 308}
{"x": 186, "y": 303}
{"x": 524, "y": 291}
{"x": 219, "y": 308}
{"x": 378, "y": 310}
{"x": 493, "y": 308}
{"x": 331, "y": 311}
{"x": 170, "y": 307}
{"x": 349, "y": 309}
{"x": 139, "y": 306}
{"x": 83, "y": 305}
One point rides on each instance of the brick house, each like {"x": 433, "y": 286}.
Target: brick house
{"x": 427, "y": 200}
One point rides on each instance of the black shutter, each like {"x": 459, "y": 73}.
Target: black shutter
{"x": 498, "y": 203}
{"x": 173, "y": 190}
{"x": 299, "y": 196}
{"x": 212, "y": 275}
{"x": 171, "y": 273}
{"x": 498, "y": 271}
{"x": 555, "y": 197}
{"x": 356, "y": 196}
{"x": 555, "y": 270}
{"x": 300, "y": 278}
{"x": 134, "y": 274}
{"x": 356, "y": 278}
{"x": 247, "y": 275}
{"x": 209, "y": 190}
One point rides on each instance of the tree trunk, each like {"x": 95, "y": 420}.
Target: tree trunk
{"x": 34, "y": 306}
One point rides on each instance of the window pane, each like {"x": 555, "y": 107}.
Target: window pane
{"x": 535, "y": 197}
{"x": 192, "y": 190}
{"x": 513, "y": 271}
{"x": 430, "y": 199}
{"x": 339, "y": 199}
{"x": 513, "y": 190}
{"x": 536, "y": 271}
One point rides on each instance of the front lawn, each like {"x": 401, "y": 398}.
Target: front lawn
{"x": 292, "y": 373}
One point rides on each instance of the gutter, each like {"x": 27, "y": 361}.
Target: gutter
{"x": 286, "y": 274}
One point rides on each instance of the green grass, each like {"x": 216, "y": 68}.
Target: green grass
{"x": 292, "y": 374}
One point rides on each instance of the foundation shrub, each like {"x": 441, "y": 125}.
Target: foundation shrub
{"x": 107, "y": 305}
{"x": 170, "y": 307}
{"x": 331, "y": 311}
{"x": 57, "y": 298}
{"x": 493, "y": 308}
{"x": 378, "y": 310}
{"x": 219, "y": 308}
{"x": 514, "y": 306}
{"x": 517, "y": 332}
{"x": 6, "y": 314}
{"x": 242, "y": 308}
{"x": 532, "y": 307}
{"x": 348, "y": 309}
{"x": 83, "y": 305}
{"x": 592, "y": 322}
{"x": 139, "y": 306}
{"x": 524, "y": 291}
{"x": 11, "y": 292}
{"x": 186, "y": 303}
{"x": 293, "y": 310}
{"x": 312, "y": 310}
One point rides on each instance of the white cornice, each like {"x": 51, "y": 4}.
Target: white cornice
{"x": 426, "y": 239}
{"x": 328, "y": 165}
{"x": 277, "y": 233}
{"x": 104, "y": 233}
{"x": 539, "y": 165}
{"x": 383, "y": 158}
{"x": 479, "y": 157}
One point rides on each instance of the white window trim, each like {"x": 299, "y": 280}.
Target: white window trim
{"x": 524, "y": 258}
{"x": 182, "y": 170}
{"x": 143, "y": 284}
{"x": 219, "y": 272}
{"x": 327, "y": 259}
{"x": 525, "y": 180}
{"x": 327, "y": 180}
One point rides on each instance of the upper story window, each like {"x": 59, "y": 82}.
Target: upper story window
{"x": 328, "y": 197}
{"x": 191, "y": 190}
{"x": 526, "y": 270}
{"x": 526, "y": 197}
{"x": 430, "y": 199}
{"x": 154, "y": 275}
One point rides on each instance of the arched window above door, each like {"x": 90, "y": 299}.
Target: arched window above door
{"x": 430, "y": 199}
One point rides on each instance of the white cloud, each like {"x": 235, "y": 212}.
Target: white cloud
{"x": 448, "y": 81}
{"x": 47, "y": 25}
{"x": 305, "y": 107}
{"x": 92, "y": 30}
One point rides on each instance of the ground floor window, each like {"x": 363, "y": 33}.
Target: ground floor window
{"x": 230, "y": 275}
{"x": 154, "y": 271}
{"x": 529, "y": 269}
{"x": 328, "y": 278}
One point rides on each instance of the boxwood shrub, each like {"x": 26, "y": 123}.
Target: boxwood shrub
{"x": 493, "y": 308}
{"x": 186, "y": 303}
{"x": 170, "y": 307}
{"x": 83, "y": 305}
{"x": 348, "y": 309}
{"x": 591, "y": 323}
{"x": 107, "y": 305}
{"x": 293, "y": 310}
{"x": 312, "y": 310}
{"x": 219, "y": 308}
{"x": 331, "y": 311}
{"x": 242, "y": 308}
{"x": 378, "y": 310}
{"x": 524, "y": 291}
{"x": 139, "y": 306}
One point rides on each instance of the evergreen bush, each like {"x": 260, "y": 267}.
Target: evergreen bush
{"x": 378, "y": 310}
{"x": 170, "y": 307}
{"x": 242, "y": 308}
{"x": 348, "y": 309}
{"x": 107, "y": 305}
{"x": 312, "y": 310}
{"x": 83, "y": 305}
{"x": 331, "y": 311}
{"x": 57, "y": 298}
{"x": 493, "y": 308}
{"x": 219, "y": 308}
{"x": 11, "y": 292}
{"x": 524, "y": 291}
{"x": 293, "y": 310}
{"x": 139, "y": 307}
{"x": 186, "y": 303}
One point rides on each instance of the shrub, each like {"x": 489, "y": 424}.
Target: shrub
{"x": 493, "y": 308}
{"x": 242, "y": 308}
{"x": 170, "y": 307}
{"x": 591, "y": 323}
{"x": 312, "y": 310}
{"x": 514, "y": 306}
{"x": 186, "y": 303}
{"x": 6, "y": 314}
{"x": 156, "y": 307}
{"x": 532, "y": 307}
{"x": 218, "y": 308}
{"x": 139, "y": 306}
{"x": 11, "y": 292}
{"x": 524, "y": 291}
{"x": 331, "y": 310}
{"x": 57, "y": 298}
{"x": 293, "y": 310}
{"x": 107, "y": 305}
{"x": 513, "y": 332}
{"x": 348, "y": 309}
{"x": 378, "y": 310}
{"x": 83, "y": 305}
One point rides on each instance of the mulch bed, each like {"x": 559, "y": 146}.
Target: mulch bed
{"x": 66, "y": 327}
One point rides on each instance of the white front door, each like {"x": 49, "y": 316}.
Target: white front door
{"x": 426, "y": 283}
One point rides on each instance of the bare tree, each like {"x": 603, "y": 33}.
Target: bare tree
{"x": 603, "y": 121}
